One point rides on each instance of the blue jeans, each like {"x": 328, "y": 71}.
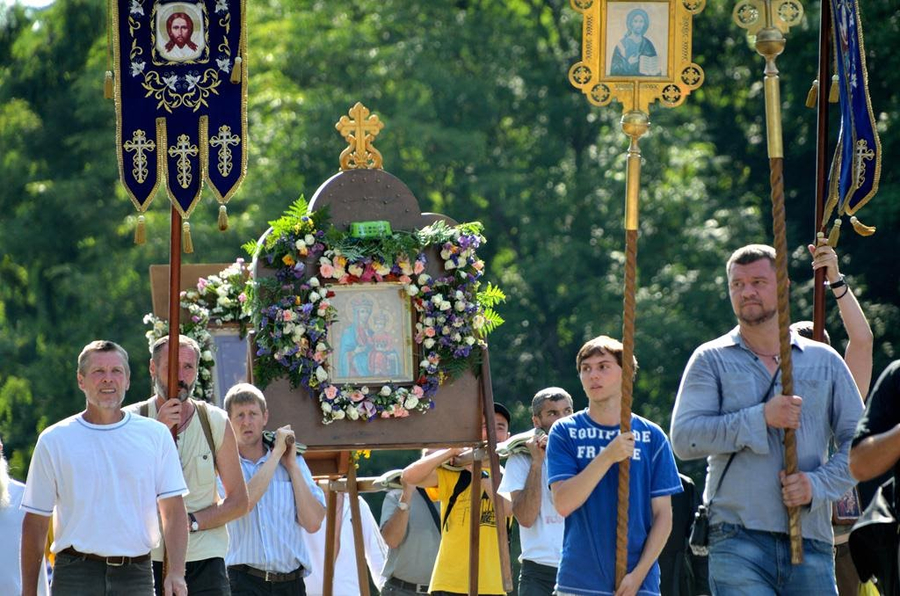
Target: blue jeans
{"x": 750, "y": 563}
{"x": 536, "y": 579}
{"x": 76, "y": 576}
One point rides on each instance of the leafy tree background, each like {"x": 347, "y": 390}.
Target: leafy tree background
{"x": 482, "y": 124}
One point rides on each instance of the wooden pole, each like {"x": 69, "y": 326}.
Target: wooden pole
{"x": 474, "y": 526}
{"x": 635, "y": 125}
{"x": 487, "y": 400}
{"x": 330, "y": 523}
{"x": 174, "y": 305}
{"x": 356, "y": 524}
{"x": 825, "y": 60}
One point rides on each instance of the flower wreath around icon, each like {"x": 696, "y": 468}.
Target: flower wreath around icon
{"x": 293, "y": 310}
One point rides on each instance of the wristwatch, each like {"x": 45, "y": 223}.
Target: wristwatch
{"x": 403, "y": 506}
{"x": 195, "y": 525}
{"x": 841, "y": 282}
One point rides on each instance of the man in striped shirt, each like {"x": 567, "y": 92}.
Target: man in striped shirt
{"x": 266, "y": 554}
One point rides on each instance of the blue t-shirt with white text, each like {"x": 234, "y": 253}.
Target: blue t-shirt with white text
{"x": 589, "y": 544}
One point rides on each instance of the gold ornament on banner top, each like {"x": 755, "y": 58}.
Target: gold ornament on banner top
{"x": 637, "y": 52}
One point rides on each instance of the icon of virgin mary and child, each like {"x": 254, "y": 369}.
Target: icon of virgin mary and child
{"x": 635, "y": 55}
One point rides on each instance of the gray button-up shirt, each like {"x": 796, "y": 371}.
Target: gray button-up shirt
{"x": 725, "y": 369}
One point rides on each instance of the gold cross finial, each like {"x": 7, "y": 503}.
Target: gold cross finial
{"x": 360, "y": 130}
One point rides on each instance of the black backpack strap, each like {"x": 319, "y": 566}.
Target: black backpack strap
{"x": 431, "y": 508}
{"x": 462, "y": 483}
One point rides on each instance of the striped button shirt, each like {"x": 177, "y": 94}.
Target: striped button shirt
{"x": 269, "y": 537}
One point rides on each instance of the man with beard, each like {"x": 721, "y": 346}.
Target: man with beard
{"x": 180, "y": 28}
{"x": 11, "y": 492}
{"x": 102, "y": 475}
{"x": 207, "y": 447}
{"x": 730, "y": 409}
{"x": 526, "y": 483}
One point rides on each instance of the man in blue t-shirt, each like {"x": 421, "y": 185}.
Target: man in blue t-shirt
{"x": 582, "y": 456}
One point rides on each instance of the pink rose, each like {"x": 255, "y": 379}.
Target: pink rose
{"x": 429, "y": 332}
{"x": 357, "y": 396}
{"x": 418, "y": 391}
{"x": 405, "y": 279}
{"x": 242, "y": 297}
{"x": 331, "y": 392}
{"x": 418, "y": 267}
{"x": 287, "y": 315}
{"x": 326, "y": 270}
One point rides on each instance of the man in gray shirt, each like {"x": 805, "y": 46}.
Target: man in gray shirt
{"x": 410, "y": 525}
{"x": 729, "y": 411}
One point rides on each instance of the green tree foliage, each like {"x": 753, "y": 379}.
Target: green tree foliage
{"x": 481, "y": 124}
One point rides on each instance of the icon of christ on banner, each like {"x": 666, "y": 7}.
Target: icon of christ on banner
{"x": 179, "y": 32}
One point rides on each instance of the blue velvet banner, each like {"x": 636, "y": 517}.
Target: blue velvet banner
{"x": 856, "y": 167}
{"x": 181, "y": 98}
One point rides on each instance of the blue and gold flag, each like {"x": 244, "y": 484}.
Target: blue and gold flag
{"x": 856, "y": 167}
{"x": 181, "y": 99}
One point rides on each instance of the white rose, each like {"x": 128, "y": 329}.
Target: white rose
{"x": 456, "y": 337}
{"x": 478, "y": 321}
{"x": 326, "y": 407}
{"x": 321, "y": 347}
{"x": 309, "y": 239}
{"x": 429, "y": 321}
{"x": 437, "y": 299}
{"x": 470, "y": 340}
{"x": 321, "y": 374}
{"x": 385, "y": 390}
{"x": 449, "y": 265}
{"x": 207, "y": 355}
{"x": 412, "y": 290}
{"x": 352, "y": 413}
{"x": 365, "y": 390}
{"x": 445, "y": 254}
{"x": 428, "y": 343}
{"x": 459, "y": 295}
{"x": 338, "y": 414}
{"x": 299, "y": 244}
{"x": 445, "y": 305}
{"x": 445, "y": 331}
{"x": 460, "y": 305}
{"x": 411, "y": 402}
{"x": 288, "y": 328}
{"x": 424, "y": 279}
{"x": 314, "y": 282}
{"x": 314, "y": 296}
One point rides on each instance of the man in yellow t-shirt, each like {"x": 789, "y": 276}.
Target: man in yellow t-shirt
{"x": 453, "y": 489}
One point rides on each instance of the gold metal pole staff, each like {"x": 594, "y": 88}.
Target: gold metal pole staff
{"x": 635, "y": 53}
{"x": 769, "y": 20}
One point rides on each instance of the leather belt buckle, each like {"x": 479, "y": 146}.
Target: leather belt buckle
{"x": 268, "y": 574}
{"x": 116, "y": 561}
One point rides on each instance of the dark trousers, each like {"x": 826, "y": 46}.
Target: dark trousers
{"x": 76, "y": 576}
{"x": 204, "y": 578}
{"x": 244, "y": 584}
{"x": 536, "y": 579}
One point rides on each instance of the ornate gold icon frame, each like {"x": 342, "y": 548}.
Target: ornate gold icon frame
{"x": 668, "y": 75}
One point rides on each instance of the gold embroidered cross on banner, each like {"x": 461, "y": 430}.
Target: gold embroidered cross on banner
{"x": 863, "y": 154}
{"x": 139, "y": 144}
{"x": 360, "y": 130}
{"x": 225, "y": 140}
{"x": 182, "y": 150}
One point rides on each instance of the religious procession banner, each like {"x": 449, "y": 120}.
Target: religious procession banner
{"x": 181, "y": 99}
{"x": 856, "y": 167}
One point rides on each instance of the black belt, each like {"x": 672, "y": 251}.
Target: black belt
{"x": 269, "y": 576}
{"x": 111, "y": 561}
{"x": 399, "y": 583}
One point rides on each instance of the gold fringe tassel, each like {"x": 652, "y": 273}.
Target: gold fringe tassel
{"x": 861, "y": 228}
{"x": 140, "y": 232}
{"x": 236, "y": 71}
{"x": 834, "y": 94}
{"x": 835, "y": 234}
{"x": 223, "y": 218}
{"x": 186, "y": 241}
{"x": 813, "y": 94}
{"x": 108, "y": 85}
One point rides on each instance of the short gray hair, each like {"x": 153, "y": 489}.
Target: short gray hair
{"x": 101, "y": 345}
{"x": 183, "y": 340}
{"x": 548, "y": 394}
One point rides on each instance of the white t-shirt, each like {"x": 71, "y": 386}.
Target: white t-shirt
{"x": 345, "y": 577}
{"x": 104, "y": 481}
{"x": 542, "y": 542}
{"x": 10, "y": 545}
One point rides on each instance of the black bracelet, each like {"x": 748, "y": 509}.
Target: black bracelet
{"x": 844, "y": 293}
{"x": 840, "y": 282}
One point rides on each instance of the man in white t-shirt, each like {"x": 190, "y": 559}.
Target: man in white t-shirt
{"x": 103, "y": 474}
{"x": 526, "y": 485}
{"x": 11, "y": 515}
